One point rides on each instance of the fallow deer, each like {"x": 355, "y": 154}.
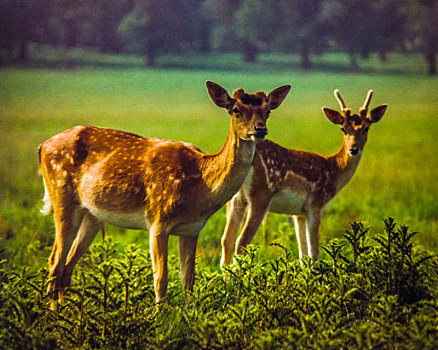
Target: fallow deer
{"x": 297, "y": 183}
{"x": 94, "y": 175}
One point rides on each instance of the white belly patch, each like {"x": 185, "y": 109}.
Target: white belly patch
{"x": 134, "y": 220}
{"x": 287, "y": 202}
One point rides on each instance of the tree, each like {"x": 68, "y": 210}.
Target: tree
{"x": 247, "y": 26}
{"x": 221, "y": 14}
{"x": 348, "y": 20}
{"x": 22, "y": 22}
{"x": 422, "y": 29}
{"x": 255, "y": 25}
{"x": 88, "y": 23}
{"x": 386, "y": 26}
{"x": 302, "y": 29}
{"x": 197, "y": 26}
{"x": 153, "y": 27}
{"x": 105, "y": 16}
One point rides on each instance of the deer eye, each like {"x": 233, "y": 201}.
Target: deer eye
{"x": 366, "y": 130}
{"x": 236, "y": 111}
{"x": 343, "y": 130}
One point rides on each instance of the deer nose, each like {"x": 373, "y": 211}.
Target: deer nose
{"x": 260, "y": 130}
{"x": 353, "y": 151}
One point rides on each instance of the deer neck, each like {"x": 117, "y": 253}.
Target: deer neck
{"x": 346, "y": 166}
{"x": 225, "y": 171}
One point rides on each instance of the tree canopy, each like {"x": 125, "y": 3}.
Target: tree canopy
{"x": 152, "y": 28}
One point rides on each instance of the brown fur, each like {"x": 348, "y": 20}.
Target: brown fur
{"x": 94, "y": 175}
{"x": 298, "y": 183}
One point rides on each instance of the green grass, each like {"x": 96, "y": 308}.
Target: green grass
{"x": 396, "y": 177}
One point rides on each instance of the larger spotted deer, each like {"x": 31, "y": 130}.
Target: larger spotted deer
{"x": 94, "y": 175}
{"x": 298, "y": 183}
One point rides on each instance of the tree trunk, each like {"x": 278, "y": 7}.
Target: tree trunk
{"x": 107, "y": 39}
{"x": 22, "y": 52}
{"x": 382, "y": 55}
{"x": 431, "y": 59}
{"x": 149, "y": 58}
{"x": 305, "y": 57}
{"x": 354, "y": 67}
{"x": 249, "y": 52}
{"x": 70, "y": 34}
{"x": 205, "y": 36}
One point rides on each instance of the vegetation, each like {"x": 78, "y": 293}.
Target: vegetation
{"x": 250, "y": 27}
{"x": 362, "y": 296}
{"x": 373, "y": 287}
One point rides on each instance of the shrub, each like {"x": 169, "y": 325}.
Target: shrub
{"x": 378, "y": 292}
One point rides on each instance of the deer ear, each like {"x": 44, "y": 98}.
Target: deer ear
{"x": 334, "y": 116}
{"x": 276, "y": 97}
{"x": 219, "y": 95}
{"x": 377, "y": 113}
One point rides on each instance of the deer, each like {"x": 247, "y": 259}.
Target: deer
{"x": 94, "y": 176}
{"x": 297, "y": 183}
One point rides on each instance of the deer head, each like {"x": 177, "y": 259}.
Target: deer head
{"x": 355, "y": 126}
{"x": 248, "y": 112}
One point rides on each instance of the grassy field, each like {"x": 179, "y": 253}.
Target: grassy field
{"x": 397, "y": 177}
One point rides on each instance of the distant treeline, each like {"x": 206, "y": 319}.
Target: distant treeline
{"x": 152, "y": 28}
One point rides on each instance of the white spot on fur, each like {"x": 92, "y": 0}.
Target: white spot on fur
{"x": 268, "y": 181}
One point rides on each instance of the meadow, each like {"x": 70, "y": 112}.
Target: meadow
{"x": 397, "y": 176}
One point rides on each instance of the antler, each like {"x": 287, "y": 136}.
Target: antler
{"x": 340, "y": 100}
{"x": 364, "y": 109}
{"x": 367, "y": 100}
{"x": 345, "y": 110}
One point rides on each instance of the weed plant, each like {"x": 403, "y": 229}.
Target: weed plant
{"x": 375, "y": 292}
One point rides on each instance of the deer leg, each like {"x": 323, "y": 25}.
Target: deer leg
{"x": 87, "y": 231}
{"x": 256, "y": 212}
{"x": 159, "y": 241}
{"x": 312, "y": 230}
{"x": 187, "y": 255}
{"x": 300, "y": 229}
{"x": 235, "y": 212}
{"x": 66, "y": 223}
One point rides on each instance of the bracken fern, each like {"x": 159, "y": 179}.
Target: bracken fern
{"x": 370, "y": 292}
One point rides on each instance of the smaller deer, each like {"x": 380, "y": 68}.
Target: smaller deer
{"x": 95, "y": 175}
{"x": 298, "y": 183}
